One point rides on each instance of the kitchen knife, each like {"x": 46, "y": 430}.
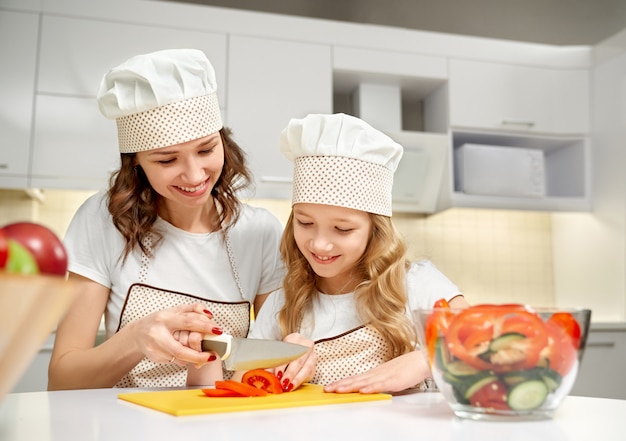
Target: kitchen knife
{"x": 250, "y": 353}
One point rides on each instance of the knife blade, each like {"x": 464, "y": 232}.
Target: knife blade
{"x": 251, "y": 353}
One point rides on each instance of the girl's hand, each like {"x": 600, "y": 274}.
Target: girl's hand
{"x": 393, "y": 376}
{"x": 174, "y": 335}
{"x": 298, "y": 371}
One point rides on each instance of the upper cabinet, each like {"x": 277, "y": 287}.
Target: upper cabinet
{"x": 519, "y": 137}
{"x": 271, "y": 81}
{"x": 69, "y": 128}
{"x": 525, "y": 100}
{"x": 521, "y": 99}
{"x": 19, "y": 58}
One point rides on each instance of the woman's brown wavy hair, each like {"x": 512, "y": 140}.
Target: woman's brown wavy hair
{"x": 381, "y": 297}
{"x": 133, "y": 203}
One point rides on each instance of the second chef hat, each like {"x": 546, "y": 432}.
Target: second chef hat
{"x": 341, "y": 160}
{"x": 161, "y": 99}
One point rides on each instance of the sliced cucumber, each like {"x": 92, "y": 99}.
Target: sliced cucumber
{"x": 504, "y": 341}
{"x": 476, "y": 385}
{"x": 461, "y": 369}
{"x": 515, "y": 377}
{"x": 527, "y": 395}
{"x": 551, "y": 378}
{"x": 442, "y": 355}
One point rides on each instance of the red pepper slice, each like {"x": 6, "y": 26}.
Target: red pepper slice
{"x": 472, "y": 330}
{"x": 262, "y": 379}
{"x": 220, "y": 393}
{"x": 437, "y": 324}
{"x": 561, "y": 350}
{"x": 569, "y": 324}
{"x": 243, "y": 389}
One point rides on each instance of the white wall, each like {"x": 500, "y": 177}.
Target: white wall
{"x": 590, "y": 249}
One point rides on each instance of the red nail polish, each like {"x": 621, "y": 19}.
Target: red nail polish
{"x": 289, "y": 387}
{"x": 285, "y": 383}
{"x": 279, "y": 375}
{"x": 207, "y": 312}
{"x": 212, "y": 358}
{"x": 217, "y": 331}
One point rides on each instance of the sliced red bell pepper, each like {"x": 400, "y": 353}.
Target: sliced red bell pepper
{"x": 472, "y": 330}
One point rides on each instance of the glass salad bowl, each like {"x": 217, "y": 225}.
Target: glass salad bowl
{"x": 499, "y": 362}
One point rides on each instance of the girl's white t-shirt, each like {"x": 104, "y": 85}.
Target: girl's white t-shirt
{"x": 333, "y": 315}
{"x": 196, "y": 264}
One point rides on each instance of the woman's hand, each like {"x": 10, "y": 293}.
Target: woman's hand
{"x": 298, "y": 371}
{"x": 392, "y": 376}
{"x": 174, "y": 335}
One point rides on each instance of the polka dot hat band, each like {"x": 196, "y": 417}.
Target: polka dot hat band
{"x": 341, "y": 160}
{"x": 161, "y": 99}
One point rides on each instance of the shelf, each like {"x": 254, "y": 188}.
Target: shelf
{"x": 566, "y": 163}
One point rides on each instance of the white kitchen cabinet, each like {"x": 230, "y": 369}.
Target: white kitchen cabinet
{"x": 527, "y": 107}
{"x": 18, "y": 52}
{"x": 75, "y": 146}
{"x": 76, "y": 53}
{"x": 521, "y": 99}
{"x": 270, "y": 82}
{"x": 602, "y": 370}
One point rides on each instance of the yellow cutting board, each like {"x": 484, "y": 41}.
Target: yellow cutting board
{"x": 194, "y": 402}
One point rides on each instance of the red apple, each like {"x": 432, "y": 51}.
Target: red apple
{"x": 4, "y": 249}
{"x": 46, "y": 248}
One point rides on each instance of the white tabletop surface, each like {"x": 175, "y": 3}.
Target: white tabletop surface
{"x": 86, "y": 415}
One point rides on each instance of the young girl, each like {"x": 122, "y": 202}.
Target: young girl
{"x": 168, "y": 253}
{"x": 349, "y": 288}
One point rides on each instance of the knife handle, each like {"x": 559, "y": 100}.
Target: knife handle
{"x": 221, "y": 344}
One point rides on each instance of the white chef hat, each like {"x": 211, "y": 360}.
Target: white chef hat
{"x": 161, "y": 99}
{"x": 341, "y": 160}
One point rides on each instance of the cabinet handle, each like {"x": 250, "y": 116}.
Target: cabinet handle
{"x": 601, "y": 344}
{"x": 4, "y": 166}
{"x": 517, "y": 122}
{"x": 276, "y": 179}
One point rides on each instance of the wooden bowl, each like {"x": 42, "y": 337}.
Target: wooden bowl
{"x": 30, "y": 308}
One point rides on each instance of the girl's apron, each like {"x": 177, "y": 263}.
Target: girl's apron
{"x": 142, "y": 299}
{"x": 351, "y": 353}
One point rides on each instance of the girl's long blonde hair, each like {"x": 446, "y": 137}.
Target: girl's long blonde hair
{"x": 380, "y": 298}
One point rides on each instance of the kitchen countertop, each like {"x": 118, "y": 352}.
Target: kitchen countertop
{"x": 85, "y": 415}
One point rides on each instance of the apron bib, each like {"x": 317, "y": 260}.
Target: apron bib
{"x": 233, "y": 318}
{"x": 142, "y": 299}
{"x": 351, "y": 353}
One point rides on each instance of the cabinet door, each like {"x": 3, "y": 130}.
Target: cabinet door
{"x": 74, "y": 145}
{"x": 602, "y": 370}
{"x": 271, "y": 81}
{"x": 18, "y": 52}
{"x": 503, "y": 97}
{"x": 76, "y": 53}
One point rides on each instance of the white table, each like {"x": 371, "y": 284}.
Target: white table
{"x": 85, "y": 415}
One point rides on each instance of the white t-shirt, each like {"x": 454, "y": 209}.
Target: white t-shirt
{"x": 335, "y": 314}
{"x": 190, "y": 263}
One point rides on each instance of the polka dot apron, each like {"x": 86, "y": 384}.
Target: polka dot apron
{"x": 143, "y": 299}
{"x": 351, "y": 353}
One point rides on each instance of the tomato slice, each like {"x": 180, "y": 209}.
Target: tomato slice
{"x": 220, "y": 393}
{"x": 262, "y": 379}
{"x": 491, "y": 396}
{"x": 242, "y": 389}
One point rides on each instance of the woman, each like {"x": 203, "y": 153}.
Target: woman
{"x": 349, "y": 287}
{"x": 168, "y": 253}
